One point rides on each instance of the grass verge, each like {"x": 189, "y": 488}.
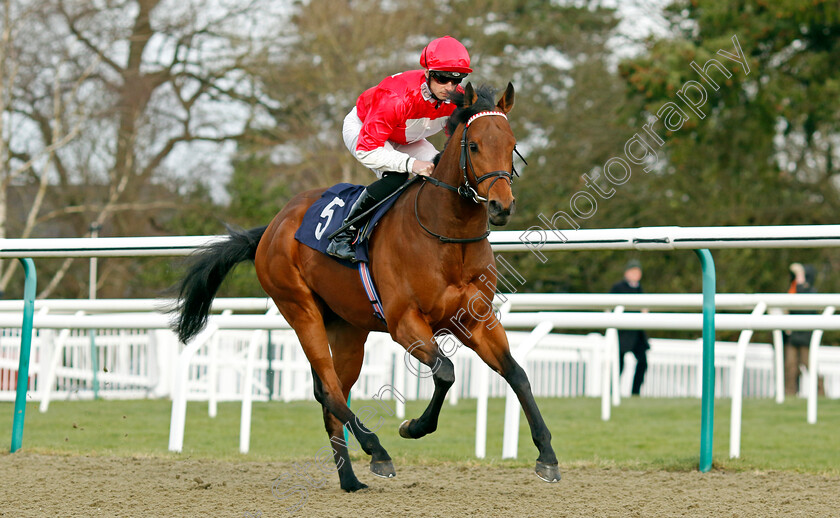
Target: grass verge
{"x": 645, "y": 434}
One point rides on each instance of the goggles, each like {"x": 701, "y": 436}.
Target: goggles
{"x": 443, "y": 77}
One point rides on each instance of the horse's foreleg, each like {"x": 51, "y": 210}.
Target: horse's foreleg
{"x": 415, "y": 335}
{"x": 491, "y": 345}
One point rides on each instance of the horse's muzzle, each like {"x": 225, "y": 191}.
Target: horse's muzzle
{"x": 499, "y": 215}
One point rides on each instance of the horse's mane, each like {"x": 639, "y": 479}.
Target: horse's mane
{"x": 485, "y": 100}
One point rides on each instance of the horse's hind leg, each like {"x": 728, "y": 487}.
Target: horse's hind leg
{"x": 306, "y": 319}
{"x": 415, "y": 335}
{"x": 347, "y": 344}
{"x": 491, "y": 345}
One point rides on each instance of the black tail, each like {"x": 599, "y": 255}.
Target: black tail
{"x": 209, "y": 267}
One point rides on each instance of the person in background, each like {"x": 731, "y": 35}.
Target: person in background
{"x": 632, "y": 341}
{"x": 802, "y": 280}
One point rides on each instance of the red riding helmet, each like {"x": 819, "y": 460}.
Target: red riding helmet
{"x": 446, "y": 55}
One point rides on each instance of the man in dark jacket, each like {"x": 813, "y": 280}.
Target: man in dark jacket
{"x": 797, "y": 343}
{"x": 635, "y": 342}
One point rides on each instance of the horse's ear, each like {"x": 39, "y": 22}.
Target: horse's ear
{"x": 469, "y": 95}
{"x": 506, "y": 102}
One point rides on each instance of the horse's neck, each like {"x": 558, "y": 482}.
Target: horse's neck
{"x": 454, "y": 214}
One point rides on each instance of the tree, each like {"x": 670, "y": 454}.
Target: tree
{"x": 29, "y": 142}
{"x": 766, "y": 151}
{"x": 162, "y": 88}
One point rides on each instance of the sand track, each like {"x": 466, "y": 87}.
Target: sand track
{"x": 52, "y": 485}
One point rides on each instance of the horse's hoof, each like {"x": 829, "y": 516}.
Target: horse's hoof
{"x": 404, "y": 429}
{"x": 383, "y": 468}
{"x": 548, "y": 472}
{"x": 354, "y": 486}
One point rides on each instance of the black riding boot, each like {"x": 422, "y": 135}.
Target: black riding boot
{"x": 341, "y": 245}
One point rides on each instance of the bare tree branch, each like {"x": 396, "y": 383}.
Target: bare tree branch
{"x": 118, "y": 207}
{"x": 71, "y": 24}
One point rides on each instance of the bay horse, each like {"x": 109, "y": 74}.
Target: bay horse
{"x": 431, "y": 261}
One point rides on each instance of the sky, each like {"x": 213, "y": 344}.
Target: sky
{"x": 639, "y": 19}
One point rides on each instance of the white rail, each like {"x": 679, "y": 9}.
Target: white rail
{"x": 104, "y": 246}
{"x": 536, "y": 239}
{"x": 49, "y": 317}
{"x": 518, "y": 301}
{"x": 256, "y": 304}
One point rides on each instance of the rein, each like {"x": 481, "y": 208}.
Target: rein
{"x": 465, "y": 190}
{"x": 442, "y": 238}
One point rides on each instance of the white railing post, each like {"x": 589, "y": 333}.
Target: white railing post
{"x": 609, "y": 352}
{"x": 46, "y": 344}
{"x": 248, "y": 385}
{"x": 153, "y": 368}
{"x": 779, "y": 365}
{"x": 123, "y": 351}
{"x": 813, "y": 374}
{"x": 213, "y": 373}
{"x": 738, "y": 386}
{"x": 399, "y": 380}
{"x": 483, "y": 395}
{"x": 778, "y": 359}
{"x": 453, "y": 390}
{"x": 510, "y": 441}
{"x": 247, "y": 393}
{"x": 180, "y": 385}
{"x": 481, "y": 409}
{"x": 591, "y": 359}
{"x": 171, "y": 362}
{"x": 55, "y": 359}
{"x": 286, "y": 370}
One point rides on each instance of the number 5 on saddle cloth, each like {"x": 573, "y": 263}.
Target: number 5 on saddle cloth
{"x": 325, "y": 216}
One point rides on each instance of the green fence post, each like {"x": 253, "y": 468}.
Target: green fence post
{"x": 708, "y": 404}
{"x": 25, "y": 346}
{"x": 346, "y": 438}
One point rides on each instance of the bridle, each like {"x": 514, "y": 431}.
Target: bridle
{"x": 466, "y": 189}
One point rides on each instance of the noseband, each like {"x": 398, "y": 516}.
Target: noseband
{"x": 466, "y": 190}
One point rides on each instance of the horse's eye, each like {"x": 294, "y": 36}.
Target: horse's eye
{"x": 473, "y": 147}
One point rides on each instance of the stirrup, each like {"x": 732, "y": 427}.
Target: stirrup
{"x": 342, "y": 246}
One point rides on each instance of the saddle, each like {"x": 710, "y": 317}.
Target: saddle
{"x": 326, "y": 215}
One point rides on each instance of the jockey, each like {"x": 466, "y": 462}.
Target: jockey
{"x": 387, "y": 129}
